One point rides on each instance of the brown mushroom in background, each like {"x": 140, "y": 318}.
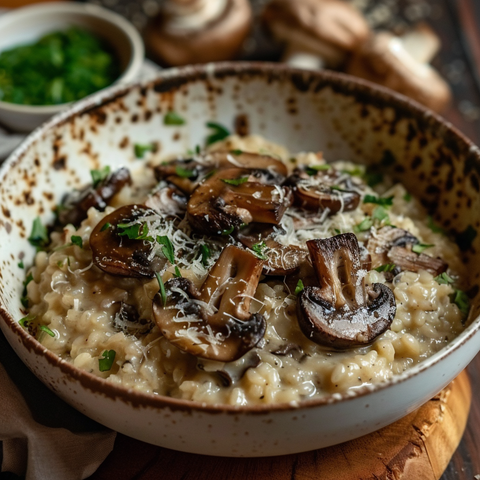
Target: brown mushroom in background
{"x": 75, "y": 205}
{"x": 341, "y": 312}
{"x": 316, "y": 33}
{"x": 278, "y": 259}
{"x": 168, "y": 200}
{"x": 198, "y": 31}
{"x": 402, "y": 64}
{"x": 233, "y": 197}
{"x": 391, "y": 245}
{"x": 116, "y": 253}
{"x": 323, "y": 189}
{"x": 214, "y": 322}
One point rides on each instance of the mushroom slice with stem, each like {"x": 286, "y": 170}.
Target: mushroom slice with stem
{"x": 323, "y": 189}
{"x": 342, "y": 312}
{"x": 234, "y": 197}
{"x": 121, "y": 243}
{"x": 278, "y": 259}
{"x": 394, "y": 245}
{"x": 214, "y": 322}
{"x": 75, "y": 206}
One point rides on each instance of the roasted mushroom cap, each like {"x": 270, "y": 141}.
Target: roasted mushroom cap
{"x": 278, "y": 259}
{"x": 341, "y": 312}
{"x": 214, "y": 322}
{"x": 394, "y": 245}
{"x": 324, "y": 189}
{"x": 168, "y": 200}
{"x": 233, "y": 197}
{"x": 75, "y": 206}
{"x": 115, "y": 253}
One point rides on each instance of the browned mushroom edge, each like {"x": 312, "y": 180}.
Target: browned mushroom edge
{"x": 341, "y": 312}
{"x": 214, "y": 322}
{"x": 75, "y": 205}
{"x": 322, "y": 190}
{"x": 394, "y": 245}
{"x": 219, "y": 207}
{"x": 116, "y": 253}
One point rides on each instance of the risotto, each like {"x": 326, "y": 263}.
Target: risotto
{"x": 244, "y": 274}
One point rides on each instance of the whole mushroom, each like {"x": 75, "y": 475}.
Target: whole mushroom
{"x": 214, "y": 322}
{"x": 317, "y": 33}
{"x": 341, "y": 312}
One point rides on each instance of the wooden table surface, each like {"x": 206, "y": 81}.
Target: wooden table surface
{"x": 458, "y": 24}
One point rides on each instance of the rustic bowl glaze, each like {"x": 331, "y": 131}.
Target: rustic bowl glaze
{"x": 343, "y": 117}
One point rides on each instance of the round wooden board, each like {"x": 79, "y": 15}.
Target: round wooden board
{"x": 417, "y": 447}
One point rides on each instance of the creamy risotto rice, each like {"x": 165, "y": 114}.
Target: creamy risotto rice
{"x": 83, "y": 306}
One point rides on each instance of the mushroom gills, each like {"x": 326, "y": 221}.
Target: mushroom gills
{"x": 341, "y": 312}
{"x": 214, "y": 322}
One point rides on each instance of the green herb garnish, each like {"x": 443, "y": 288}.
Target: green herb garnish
{"x": 167, "y": 248}
{"x": 314, "y": 169}
{"x": 205, "y": 252}
{"x": 99, "y": 176}
{"x": 106, "y": 361}
{"x": 39, "y": 235}
{"x": 355, "y": 172}
{"x": 407, "y": 197}
{"x": 236, "y": 152}
{"x": 461, "y": 300}
{"x": 235, "y": 181}
{"x": 386, "y": 267}
{"x": 77, "y": 240}
{"x": 45, "y": 329}
{"x": 434, "y": 227}
{"x": 364, "y": 225}
{"x": 21, "y": 264}
{"x": 384, "y": 202}
{"x": 177, "y": 273}
{"x": 184, "y": 172}
{"x": 381, "y": 215}
{"x": 173, "y": 118}
{"x": 163, "y": 293}
{"x": 300, "y": 286}
{"x": 107, "y": 225}
{"x": 23, "y": 322}
{"x": 444, "y": 279}
{"x": 228, "y": 231}
{"x": 219, "y": 132}
{"x": 420, "y": 247}
{"x": 373, "y": 178}
{"x": 136, "y": 231}
{"x": 259, "y": 249}
{"x": 141, "y": 149}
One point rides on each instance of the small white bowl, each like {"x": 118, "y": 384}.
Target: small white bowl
{"x": 28, "y": 24}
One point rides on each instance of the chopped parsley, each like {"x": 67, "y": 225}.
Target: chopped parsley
{"x": 205, "y": 252}
{"x": 167, "y": 248}
{"x": 107, "y": 225}
{"x": 163, "y": 293}
{"x": 386, "y": 267}
{"x": 219, "y": 132}
{"x": 23, "y": 322}
{"x": 407, "y": 197}
{"x": 134, "y": 232}
{"x": 228, "y": 231}
{"x": 106, "y": 361}
{"x": 373, "y": 178}
{"x": 45, "y": 329}
{"x": 461, "y": 300}
{"x": 314, "y": 169}
{"x": 381, "y": 215}
{"x": 420, "y": 247}
{"x": 177, "y": 273}
{"x": 364, "y": 225}
{"x": 236, "y": 152}
{"x": 39, "y": 235}
{"x": 99, "y": 176}
{"x": 444, "y": 279}
{"x": 21, "y": 264}
{"x": 77, "y": 240}
{"x": 184, "y": 172}
{"x": 384, "y": 202}
{"x": 259, "y": 249}
{"x": 141, "y": 149}
{"x": 355, "y": 172}
{"x": 173, "y": 118}
{"x": 300, "y": 286}
{"x": 235, "y": 181}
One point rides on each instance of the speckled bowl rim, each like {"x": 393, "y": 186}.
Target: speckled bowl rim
{"x": 186, "y": 74}
{"x": 128, "y": 73}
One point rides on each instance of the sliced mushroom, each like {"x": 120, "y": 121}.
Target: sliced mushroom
{"x": 326, "y": 189}
{"x": 292, "y": 350}
{"x": 217, "y": 207}
{"x": 214, "y": 322}
{"x": 394, "y": 245}
{"x": 232, "y": 372}
{"x": 167, "y": 199}
{"x": 278, "y": 259}
{"x": 341, "y": 312}
{"x": 75, "y": 205}
{"x": 128, "y": 321}
{"x": 117, "y": 254}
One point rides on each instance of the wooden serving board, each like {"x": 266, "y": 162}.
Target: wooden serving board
{"x": 417, "y": 447}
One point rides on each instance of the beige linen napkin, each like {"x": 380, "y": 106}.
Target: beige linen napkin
{"x": 40, "y": 452}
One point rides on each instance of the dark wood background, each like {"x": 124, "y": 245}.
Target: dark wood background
{"x": 458, "y": 24}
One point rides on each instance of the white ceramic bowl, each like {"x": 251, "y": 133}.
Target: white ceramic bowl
{"x": 343, "y": 117}
{"x": 28, "y": 24}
